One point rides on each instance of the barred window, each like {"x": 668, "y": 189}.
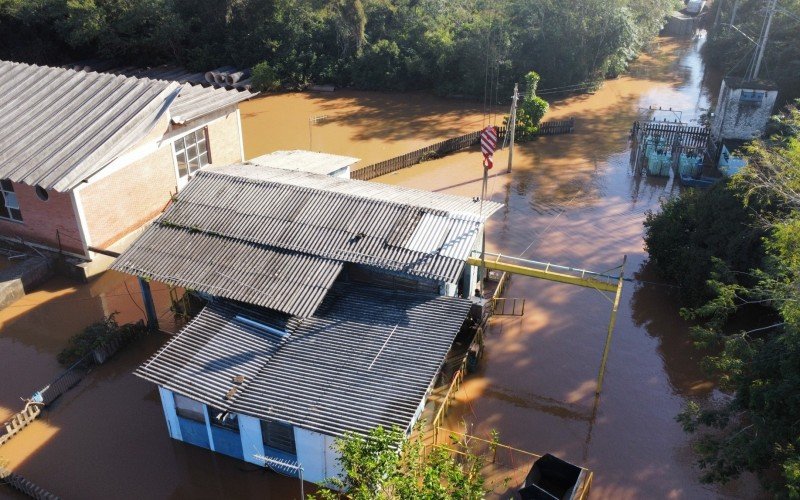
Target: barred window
{"x": 9, "y": 206}
{"x": 278, "y": 435}
{"x": 191, "y": 152}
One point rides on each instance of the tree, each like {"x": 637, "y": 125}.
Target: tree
{"x": 387, "y": 465}
{"x": 758, "y": 429}
{"x": 532, "y": 108}
{"x": 264, "y": 77}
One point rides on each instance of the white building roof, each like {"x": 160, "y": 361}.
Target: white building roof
{"x": 305, "y": 161}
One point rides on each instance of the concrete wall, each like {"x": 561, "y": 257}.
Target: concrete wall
{"x": 43, "y": 220}
{"x": 225, "y": 140}
{"x": 738, "y": 118}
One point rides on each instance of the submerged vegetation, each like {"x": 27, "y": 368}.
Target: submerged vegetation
{"x": 96, "y": 335}
{"x": 453, "y": 47}
{"x": 736, "y": 252}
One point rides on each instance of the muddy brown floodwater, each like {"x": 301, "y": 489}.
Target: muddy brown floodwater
{"x": 570, "y": 199}
{"x": 574, "y": 200}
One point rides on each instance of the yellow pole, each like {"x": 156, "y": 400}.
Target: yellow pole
{"x": 611, "y": 323}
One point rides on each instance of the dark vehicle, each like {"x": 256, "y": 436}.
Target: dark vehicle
{"x": 552, "y": 478}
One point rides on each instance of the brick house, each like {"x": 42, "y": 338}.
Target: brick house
{"x": 88, "y": 158}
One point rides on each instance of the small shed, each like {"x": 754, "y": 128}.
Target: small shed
{"x": 308, "y": 161}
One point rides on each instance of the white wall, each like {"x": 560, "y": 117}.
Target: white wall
{"x": 168, "y": 404}
{"x": 741, "y": 120}
{"x": 316, "y": 455}
{"x": 252, "y": 442}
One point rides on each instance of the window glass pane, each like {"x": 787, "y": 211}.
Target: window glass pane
{"x": 202, "y": 146}
{"x": 4, "y": 212}
{"x": 11, "y": 200}
{"x": 230, "y": 422}
{"x": 182, "y": 165}
{"x": 7, "y": 185}
{"x": 189, "y": 408}
{"x": 191, "y": 152}
{"x": 16, "y": 214}
{"x": 278, "y": 436}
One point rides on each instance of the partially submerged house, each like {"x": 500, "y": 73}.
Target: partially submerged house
{"x": 88, "y": 158}
{"x": 333, "y": 304}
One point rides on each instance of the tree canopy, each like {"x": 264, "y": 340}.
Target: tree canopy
{"x": 449, "y": 46}
{"x": 742, "y": 242}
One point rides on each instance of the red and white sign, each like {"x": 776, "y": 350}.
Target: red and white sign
{"x": 488, "y": 145}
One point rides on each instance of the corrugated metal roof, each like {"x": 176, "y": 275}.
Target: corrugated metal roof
{"x": 216, "y": 346}
{"x": 366, "y": 358}
{"x": 59, "y": 126}
{"x": 235, "y": 269}
{"x": 299, "y": 160}
{"x": 455, "y": 205}
{"x": 344, "y": 227}
{"x": 195, "y": 101}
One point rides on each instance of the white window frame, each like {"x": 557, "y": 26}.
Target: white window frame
{"x": 10, "y": 201}
{"x": 191, "y": 153}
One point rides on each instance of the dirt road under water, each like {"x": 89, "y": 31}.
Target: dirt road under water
{"x": 570, "y": 199}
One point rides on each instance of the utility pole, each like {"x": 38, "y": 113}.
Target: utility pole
{"x": 733, "y": 13}
{"x": 512, "y": 126}
{"x": 719, "y": 11}
{"x": 764, "y": 37}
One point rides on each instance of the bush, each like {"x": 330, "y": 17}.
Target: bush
{"x": 701, "y": 232}
{"x": 96, "y": 335}
{"x": 265, "y": 78}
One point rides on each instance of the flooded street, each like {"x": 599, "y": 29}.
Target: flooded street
{"x": 570, "y": 199}
{"x": 573, "y": 200}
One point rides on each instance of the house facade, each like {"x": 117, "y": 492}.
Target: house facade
{"x": 332, "y": 308}
{"x": 88, "y": 158}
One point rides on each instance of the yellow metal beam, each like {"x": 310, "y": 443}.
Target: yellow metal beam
{"x": 543, "y": 274}
{"x": 611, "y": 323}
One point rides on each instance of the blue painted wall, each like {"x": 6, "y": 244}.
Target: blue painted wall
{"x": 227, "y": 441}
{"x": 194, "y": 432}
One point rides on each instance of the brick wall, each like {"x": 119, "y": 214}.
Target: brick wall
{"x": 123, "y": 201}
{"x": 41, "y": 220}
{"x": 224, "y": 141}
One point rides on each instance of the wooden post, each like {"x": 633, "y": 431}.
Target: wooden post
{"x": 611, "y": 324}
{"x": 149, "y": 306}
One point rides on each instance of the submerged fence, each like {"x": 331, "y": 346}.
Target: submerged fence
{"x": 450, "y": 146}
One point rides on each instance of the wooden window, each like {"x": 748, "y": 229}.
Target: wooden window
{"x": 278, "y": 435}
{"x": 190, "y": 409}
{"x": 191, "y": 152}
{"x": 9, "y": 206}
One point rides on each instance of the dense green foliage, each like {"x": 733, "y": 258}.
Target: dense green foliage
{"x": 387, "y": 465}
{"x": 700, "y": 233}
{"x": 450, "y": 46}
{"x": 758, "y": 429}
{"x": 531, "y": 108}
{"x": 731, "y": 51}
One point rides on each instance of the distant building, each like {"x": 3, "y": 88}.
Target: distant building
{"x": 88, "y": 158}
{"x": 333, "y": 305}
{"x": 743, "y": 109}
